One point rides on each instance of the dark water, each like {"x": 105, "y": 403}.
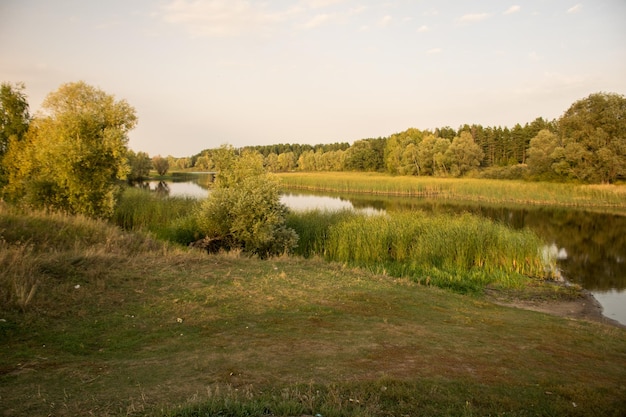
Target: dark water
{"x": 590, "y": 247}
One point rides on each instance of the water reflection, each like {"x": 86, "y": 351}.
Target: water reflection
{"x": 590, "y": 248}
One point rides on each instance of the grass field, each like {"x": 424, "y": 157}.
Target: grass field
{"x": 121, "y": 325}
{"x": 606, "y": 197}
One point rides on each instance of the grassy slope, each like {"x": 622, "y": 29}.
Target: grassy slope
{"x": 253, "y": 331}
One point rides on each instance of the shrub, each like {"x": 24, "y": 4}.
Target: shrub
{"x": 244, "y": 210}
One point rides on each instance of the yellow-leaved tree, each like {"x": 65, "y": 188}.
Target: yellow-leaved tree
{"x": 74, "y": 153}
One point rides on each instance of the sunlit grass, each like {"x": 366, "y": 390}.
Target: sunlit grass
{"x": 462, "y": 189}
{"x": 168, "y": 218}
{"x": 124, "y": 325}
{"x": 464, "y": 253}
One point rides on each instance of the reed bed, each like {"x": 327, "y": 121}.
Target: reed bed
{"x": 462, "y": 189}
{"x": 168, "y": 218}
{"x": 464, "y": 253}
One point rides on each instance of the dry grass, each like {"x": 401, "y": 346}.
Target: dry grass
{"x": 155, "y": 330}
{"x": 606, "y": 197}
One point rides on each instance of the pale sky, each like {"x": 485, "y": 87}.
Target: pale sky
{"x": 201, "y": 73}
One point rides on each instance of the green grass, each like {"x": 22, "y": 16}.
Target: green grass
{"x": 462, "y": 252}
{"x": 123, "y": 325}
{"x": 167, "y": 218}
{"x": 605, "y": 197}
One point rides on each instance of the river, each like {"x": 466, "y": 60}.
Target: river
{"x": 591, "y": 247}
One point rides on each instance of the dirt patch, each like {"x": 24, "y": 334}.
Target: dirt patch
{"x": 583, "y": 307}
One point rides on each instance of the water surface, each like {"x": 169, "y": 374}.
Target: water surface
{"x": 590, "y": 247}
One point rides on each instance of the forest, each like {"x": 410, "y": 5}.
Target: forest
{"x": 587, "y": 144}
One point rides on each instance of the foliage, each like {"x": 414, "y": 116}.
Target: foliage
{"x": 244, "y": 210}
{"x": 365, "y": 155}
{"x": 590, "y": 149}
{"x": 74, "y": 155}
{"x": 463, "y": 154}
{"x": 139, "y": 165}
{"x": 14, "y": 121}
{"x": 593, "y": 139}
{"x": 541, "y": 155}
{"x": 161, "y": 164}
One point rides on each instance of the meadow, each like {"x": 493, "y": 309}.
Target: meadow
{"x": 603, "y": 197}
{"x": 121, "y": 324}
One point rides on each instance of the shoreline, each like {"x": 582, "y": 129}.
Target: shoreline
{"x": 586, "y": 308}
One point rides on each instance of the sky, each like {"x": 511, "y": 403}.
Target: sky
{"x": 202, "y": 73}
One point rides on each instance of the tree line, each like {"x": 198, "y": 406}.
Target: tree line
{"x": 586, "y": 144}
{"x": 74, "y": 154}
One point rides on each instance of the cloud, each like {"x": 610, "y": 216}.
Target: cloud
{"x": 221, "y": 18}
{"x": 473, "y": 17}
{"x": 385, "y": 21}
{"x": 317, "y": 4}
{"x": 512, "y": 9}
{"x": 318, "y": 20}
{"x": 423, "y": 29}
{"x": 431, "y": 12}
{"x": 434, "y": 51}
{"x": 357, "y": 10}
{"x": 575, "y": 9}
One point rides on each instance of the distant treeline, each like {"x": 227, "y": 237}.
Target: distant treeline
{"x": 586, "y": 144}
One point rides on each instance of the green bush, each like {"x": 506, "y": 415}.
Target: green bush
{"x": 244, "y": 210}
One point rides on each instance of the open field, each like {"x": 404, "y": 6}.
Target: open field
{"x": 604, "y": 197}
{"x": 123, "y": 325}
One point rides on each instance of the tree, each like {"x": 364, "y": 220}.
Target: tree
{"x": 287, "y": 161}
{"x": 74, "y": 154}
{"x": 271, "y": 162}
{"x": 139, "y": 165}
{"x": 162, "y": 165}
{"x": 396, "y": 161}
{"x": 14, "y": 121}
{"x": 431, "y": 155}
{"x": 593, "y": 133}
{"x": 203, "y": 162}
{"x": 365, "y": 155}
{"x": 244, "y": 210}
{"x": 463, "y": 154}
{"x": 541, "y": 155}
{"x": 306, "y": 162}
{"x": 409, "y": 161}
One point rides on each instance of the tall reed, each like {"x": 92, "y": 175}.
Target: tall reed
{"x": 611, "y": 197}
{"x": 463, "y": 252}
{"x": 168, "y": 218}
{"x": 312, "y": 227}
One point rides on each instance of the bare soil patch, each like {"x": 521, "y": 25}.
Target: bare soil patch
{"x": 584, "y": 306}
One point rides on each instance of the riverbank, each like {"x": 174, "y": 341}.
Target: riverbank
{"x": 606, "y": 198}
{"x": 120, "y": 324}
{"x": 582, "y": 307}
